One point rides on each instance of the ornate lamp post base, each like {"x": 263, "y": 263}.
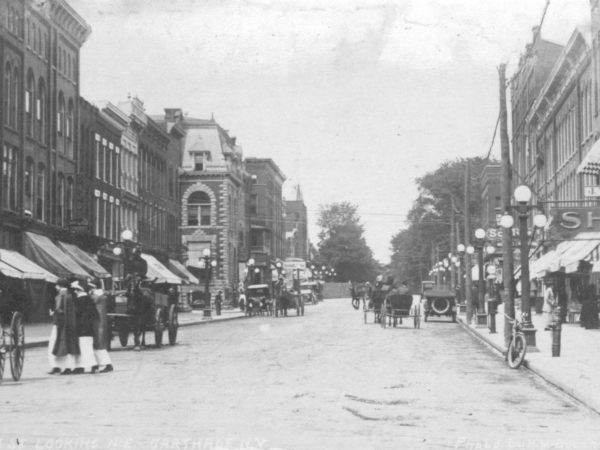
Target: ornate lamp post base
{"x": 481, "y": 320}
{"x": 529, "y": 332}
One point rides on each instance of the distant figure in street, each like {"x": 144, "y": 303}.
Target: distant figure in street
{"x": 86, "y": 316}
{"x": 589, "y": 307}
{"x": 550, "y": 303}
{"x": 101, "y": 330}
{"x": 218, "y": 302}
{"x": 242, "y": 301}
{"x": 64, "y": 345}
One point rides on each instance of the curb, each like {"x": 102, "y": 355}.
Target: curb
{"x": 567, "y": 390}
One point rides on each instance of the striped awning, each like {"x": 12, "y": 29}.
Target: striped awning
{"x": 590, "y": 165}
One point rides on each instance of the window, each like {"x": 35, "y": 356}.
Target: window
{"x": 29, "y": 180}
{"x": 9, "y": 178}
{"x": 253, "y": 203}
{"x": 6, "y": 93}
{"x": 69, "y": 201}
{"x": 69, "y": 129}
{"x": 29, "y": 96}
{"x": 60, "y": 201}
{"x": 198, "y": 209}
{"x": 60, "y": 114}
{"x": 40, "y": 111}
{"x": 40, "y": 192}
{"x": 15, "y": 98}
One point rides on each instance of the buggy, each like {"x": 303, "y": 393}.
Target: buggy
{"x": 398, "y": 305}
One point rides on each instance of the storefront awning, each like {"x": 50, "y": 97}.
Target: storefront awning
{"x": 584, "y": 244}
{"x": 15, "y": 265}
{"x": 590, "y": 165}
{"x": 85, "y": 260}
{"x": 159, "y": 272}
{"x": 42, "y": 251}
{"x": 179, "y": 269}
{"x": 543, "y": 265}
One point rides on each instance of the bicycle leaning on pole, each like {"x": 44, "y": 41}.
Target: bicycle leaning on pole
{"x": 517, "y": 347}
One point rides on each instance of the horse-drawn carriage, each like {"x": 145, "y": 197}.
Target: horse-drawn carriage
{"x": 287, "y": 299}
{"x": 439, "y": 302}
{"x": 142, "y": 307}
{"x": 12, "y": 343}
{"x": 399, "y": 305}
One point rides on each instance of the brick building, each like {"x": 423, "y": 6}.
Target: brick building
{"x": 267, "y": 236}
{"x": 39, "y": 50}
{"x": 212, "y": 183}
{"x": 296, "y": 226}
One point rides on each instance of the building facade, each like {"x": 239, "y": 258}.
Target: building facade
{"x": 266, "y": 209}
{"x": 296, "y": 227}
{"x": 213, "y": 184}
{"x": 39, "y": 50}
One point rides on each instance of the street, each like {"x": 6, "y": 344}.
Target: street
{"x": 322, "y": 381}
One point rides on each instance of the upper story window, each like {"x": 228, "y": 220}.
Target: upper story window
{"x": 9, "y": 178}
{"x": 40, "y": 192}
{"x": 29, "y": 104}
{"x": 40, "y": 111}
{"x": 198, "y": 209}
{"x": 60, "y": 114}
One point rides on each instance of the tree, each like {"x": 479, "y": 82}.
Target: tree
{"x": 342, "y": 244}
{"x": 427, "y": 237}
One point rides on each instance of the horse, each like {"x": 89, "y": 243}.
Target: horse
{"x": 140, "y": 305}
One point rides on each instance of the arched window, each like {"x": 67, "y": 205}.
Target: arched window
{"x": 29, "y": 183}
{"x": 7, "y": 92}
{"x": 60, "y": 114}
{"x": 40, "y": 111}
{"x": 198, "y": 209}
{"x": 60, "y": 201}
{"x": 69, "y": 128}
{"x": 69, "y": 201}
{"x": 35, "y": 39}
{"x": 29, "y": 96}
{"x": 40, "y": 192}
{"x": 16, "y": 92}
{"x": 9, "y": 177}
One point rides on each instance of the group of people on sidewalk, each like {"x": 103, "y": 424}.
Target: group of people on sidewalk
{"x": 589, "y": 304}
{"x": 78, "y": 339}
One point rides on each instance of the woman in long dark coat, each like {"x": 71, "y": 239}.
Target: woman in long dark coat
{"x": 101, "y": 330}
{"x": 65, "y": 345}
{"x": 589, "y": 307}
{"x": 86, "y": 316}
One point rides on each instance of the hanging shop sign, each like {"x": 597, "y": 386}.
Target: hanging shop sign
{"x": 591, "y": 191}
{"x": 567, "y": 222}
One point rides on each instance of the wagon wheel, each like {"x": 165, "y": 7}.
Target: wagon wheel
{"x": 383, "y": 316}
{"x": 17, "y": 346}
{"x": 123, "y": 331}
{"x": 173, "y": 324}
{"x": 159, "y": 327}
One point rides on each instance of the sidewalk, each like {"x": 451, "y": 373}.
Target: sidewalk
{"x": 37, "y": 334}
{"x": 574, "y": 371}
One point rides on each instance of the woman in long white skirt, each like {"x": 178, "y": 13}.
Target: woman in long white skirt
{"x": 86, "y": 315}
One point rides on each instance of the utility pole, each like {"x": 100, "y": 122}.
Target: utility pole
{"x": 468, "y": 281}
{"x": 452, "y": 243}
{"x": 506, "y": 194}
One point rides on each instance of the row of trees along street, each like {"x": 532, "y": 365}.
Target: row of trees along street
{"x": 440, "y": 203}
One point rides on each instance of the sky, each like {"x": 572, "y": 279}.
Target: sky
{"x": 353, "y": 99}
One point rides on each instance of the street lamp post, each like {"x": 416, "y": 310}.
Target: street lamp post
{"x": 483, "y": 249}
{"x": 522, "y": 195}
{"x": 208, "y": 266}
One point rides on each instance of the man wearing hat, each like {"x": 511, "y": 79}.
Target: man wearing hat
{"x": 86, "y": 314}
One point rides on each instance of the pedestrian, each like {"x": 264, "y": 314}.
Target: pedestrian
{"x": 86, "y": 315}
{"x": 63, "y": 344}
{"x": 242, "y": 301}
{"x": 218, "y": 302}
{"x": 101, "y": 330}
{"x": 589, "y": 307}
{"x": 550, "y": 302}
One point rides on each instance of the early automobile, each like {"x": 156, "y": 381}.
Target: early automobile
{"x": 438, "y": 302}
{"x": 259, "y": 300}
